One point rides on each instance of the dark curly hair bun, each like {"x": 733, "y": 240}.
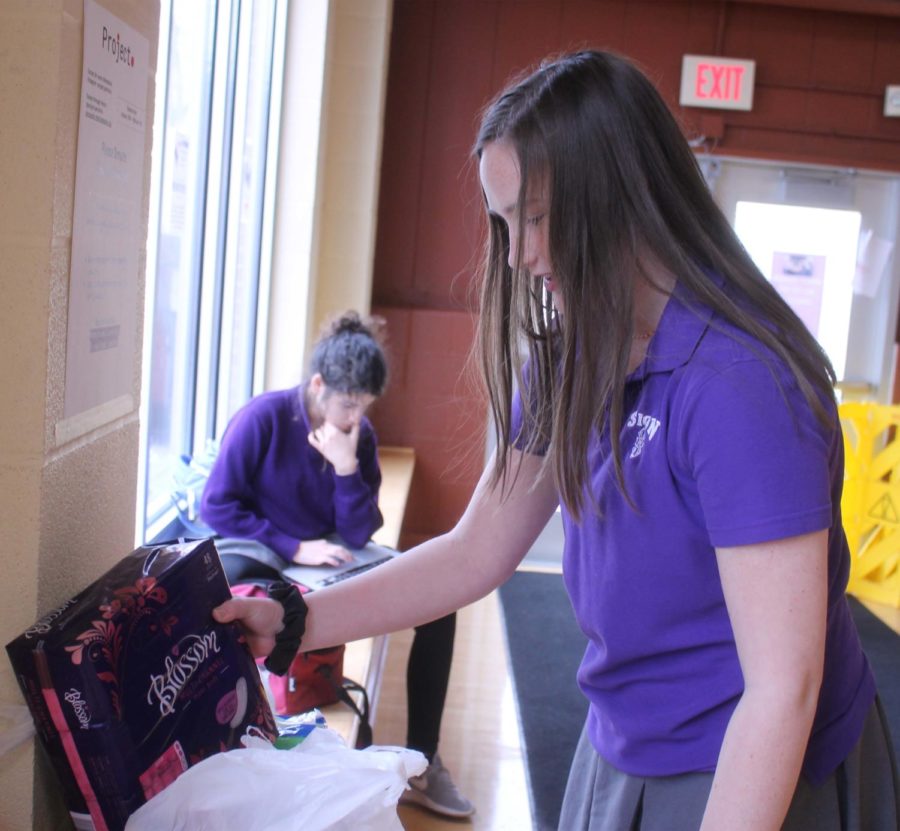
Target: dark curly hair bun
{"x": 349, "y": 356}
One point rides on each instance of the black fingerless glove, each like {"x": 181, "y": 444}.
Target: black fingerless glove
{"x": 287, "y": 641}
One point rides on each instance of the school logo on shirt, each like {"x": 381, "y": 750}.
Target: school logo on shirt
{"x": 648, "y": 426}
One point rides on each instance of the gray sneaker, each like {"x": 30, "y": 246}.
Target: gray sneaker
{"x": 436, "y": 791}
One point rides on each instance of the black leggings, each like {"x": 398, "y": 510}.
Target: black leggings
{"x": 427, "y": 677}
{"x": 427, "y": 671}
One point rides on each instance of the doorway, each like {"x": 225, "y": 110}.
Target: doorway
{"x": 826, "y": 237}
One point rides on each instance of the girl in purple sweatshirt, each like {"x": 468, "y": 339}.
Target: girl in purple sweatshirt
{"x": 297, "y": 468}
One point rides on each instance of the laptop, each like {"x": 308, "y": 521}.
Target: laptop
{"x": 318, "y": 577}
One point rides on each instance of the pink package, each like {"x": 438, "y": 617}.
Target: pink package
{"x": 132, "y": 681}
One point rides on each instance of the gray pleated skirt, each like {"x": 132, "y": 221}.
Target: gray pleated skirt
{"x": 863, "y": 794}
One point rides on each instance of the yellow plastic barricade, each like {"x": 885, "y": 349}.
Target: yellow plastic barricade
{"x": 871, "y": 501}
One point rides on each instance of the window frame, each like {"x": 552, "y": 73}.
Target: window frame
{"x": 214, "y": 270}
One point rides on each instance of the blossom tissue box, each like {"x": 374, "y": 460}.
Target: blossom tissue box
{"x": 132, "y": 681}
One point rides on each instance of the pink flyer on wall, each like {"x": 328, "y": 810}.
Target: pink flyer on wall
{"x": 799, "y": 279}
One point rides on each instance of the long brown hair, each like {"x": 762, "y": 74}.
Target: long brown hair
{"x": 624, "y": 186}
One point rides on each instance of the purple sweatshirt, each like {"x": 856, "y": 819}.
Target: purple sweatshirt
{"x": 269, "y": 484}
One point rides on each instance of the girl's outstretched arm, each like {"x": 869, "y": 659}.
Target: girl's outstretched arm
{"x": 429, "y": 581}
{"x": 776, "y": 595}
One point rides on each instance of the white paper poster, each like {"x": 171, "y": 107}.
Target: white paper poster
{"x": 106, "y": 232}
{"x": 809, "y": 254}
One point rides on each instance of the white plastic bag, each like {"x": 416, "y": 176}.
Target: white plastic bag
{"x": 320, "y": 785}
{"x": 20, "y": 726}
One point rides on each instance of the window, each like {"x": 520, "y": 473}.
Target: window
{"x": 809, "y": 255}
{"x": 215, "y": 148}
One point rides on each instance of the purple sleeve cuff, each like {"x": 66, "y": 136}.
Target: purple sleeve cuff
{"x": 283, "y": 545}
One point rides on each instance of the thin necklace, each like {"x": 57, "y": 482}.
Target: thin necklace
{"x": 646, "y": 335}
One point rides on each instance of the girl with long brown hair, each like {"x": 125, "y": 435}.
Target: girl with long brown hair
{"x": 645, "y": 376}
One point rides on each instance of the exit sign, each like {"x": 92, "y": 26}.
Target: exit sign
{"x": 722, "y": 83}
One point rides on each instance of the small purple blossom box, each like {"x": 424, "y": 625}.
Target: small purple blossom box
{"x": 132, "y": 681}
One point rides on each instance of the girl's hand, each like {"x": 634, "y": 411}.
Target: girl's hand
{"x": 260, "y": 617}
{"x": 321, "y": 553}
{"x": 337, "y": 447}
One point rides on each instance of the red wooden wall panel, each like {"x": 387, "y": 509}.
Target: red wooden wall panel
{"x": 460, "y": 84}
{"x": 433, "y": 404}
{"x": 886, "y": 56}
{"x": 820, "y": 79}
{"x": 654, "y": 36}
{"x": 842, "y": 53}
{"x": 526, "y": 31}
{"x": 589, "y": 23}
{"x": 404, "y": 145}
{"x": 783, "y": 38}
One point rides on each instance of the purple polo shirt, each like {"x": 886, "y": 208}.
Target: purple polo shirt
{"x": 714, "y": 454}
{"x": 269, "y": 484}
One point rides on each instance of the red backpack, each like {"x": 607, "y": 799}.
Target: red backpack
{"x": 314, "y": 679}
